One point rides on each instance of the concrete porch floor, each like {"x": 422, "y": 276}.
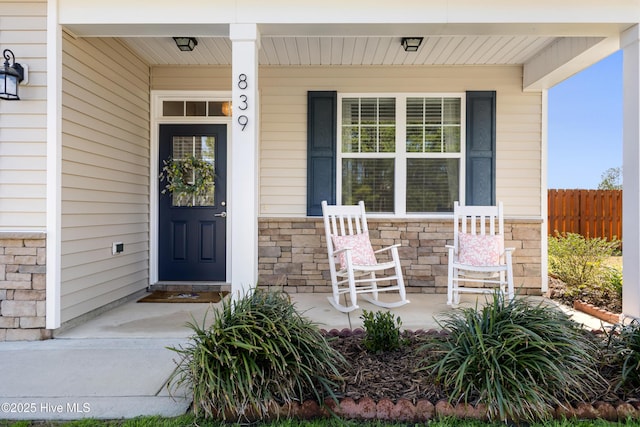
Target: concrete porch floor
{"x": 117, "y": 364}
{"x": 158, "y": 320}
{"x": 167, "y": 321}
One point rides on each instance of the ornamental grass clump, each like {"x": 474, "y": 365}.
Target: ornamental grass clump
{"x": 519, "y": 359}
{"x": 258, "y": 351}
{"x": 623, "y": 357}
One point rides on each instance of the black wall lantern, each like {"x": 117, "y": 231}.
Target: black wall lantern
{"x": 186, "y": 44}
{"x": 411, "y": 44}
{"x": 10, "y": 77}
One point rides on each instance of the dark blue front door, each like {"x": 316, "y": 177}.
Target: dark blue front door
{"x": 192, "y": 234}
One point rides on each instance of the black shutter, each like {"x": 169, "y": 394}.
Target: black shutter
{"x": 481, "y": 148}
{"x": 321, "y": 150}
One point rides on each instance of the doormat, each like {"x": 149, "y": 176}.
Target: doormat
{"x": 184, "y": 297}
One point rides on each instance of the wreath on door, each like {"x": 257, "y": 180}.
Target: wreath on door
{"x": 190, "y": 176}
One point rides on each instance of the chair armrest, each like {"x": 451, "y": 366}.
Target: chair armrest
{"x": 452, "y": 249}
{"x": 387, "y": 248}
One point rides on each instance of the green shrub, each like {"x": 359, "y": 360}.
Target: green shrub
{"x": 612, "y": 283}
{"x": 579, "y": 262}
{"x": 517, "y": 358}
{"x": 623, "y": 356}
{"x": 382, "y": 331}
{"x": 257, "y": 351}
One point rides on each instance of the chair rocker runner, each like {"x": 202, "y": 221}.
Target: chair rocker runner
{"x": 478, "y": 258}
{"x": 352, "y": 260}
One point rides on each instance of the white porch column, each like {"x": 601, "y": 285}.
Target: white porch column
{"x": 54, "y": 166}
{"x": 244, "y": 154}
{"x": 630, "y": 43}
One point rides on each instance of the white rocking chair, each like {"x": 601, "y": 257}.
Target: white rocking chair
{"x": 352, "y": 260}
{"x": 478, "y": 257}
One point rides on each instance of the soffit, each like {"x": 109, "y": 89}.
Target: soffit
{"x": 349, "y": 50}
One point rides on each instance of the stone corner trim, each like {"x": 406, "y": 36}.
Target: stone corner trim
{"x": 23, "y": 286}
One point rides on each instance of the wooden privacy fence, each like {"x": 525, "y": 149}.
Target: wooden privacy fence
{"x": 591, "y": 213}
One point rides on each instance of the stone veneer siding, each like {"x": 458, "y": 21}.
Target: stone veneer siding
{"x": 22, "y": 286}
{"x": 292, "y": 254}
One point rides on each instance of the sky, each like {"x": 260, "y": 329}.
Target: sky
{"x": 585, "y": 126}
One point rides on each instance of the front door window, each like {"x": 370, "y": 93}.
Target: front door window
{"x": 190, "y": 150}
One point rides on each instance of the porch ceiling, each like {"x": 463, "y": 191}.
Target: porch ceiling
{"x": 350, "y": 50}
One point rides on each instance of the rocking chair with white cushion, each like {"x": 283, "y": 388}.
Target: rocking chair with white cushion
{"x": 478, "y": 260}
{"x": 352, "y": 260}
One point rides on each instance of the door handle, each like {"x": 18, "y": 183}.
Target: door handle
{"x": 222, "y": 214}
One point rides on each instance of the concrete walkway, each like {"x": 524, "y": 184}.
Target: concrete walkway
{"x": 117, "y": 365}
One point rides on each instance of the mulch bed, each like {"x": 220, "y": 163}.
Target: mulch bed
{"x": 391, "y": 384}
{"x": 390, "y": 374}
{"x": 393, "y": 375}
{"x": 557, "y": 291}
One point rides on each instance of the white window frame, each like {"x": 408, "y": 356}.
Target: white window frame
{"x": 401, "y": 155}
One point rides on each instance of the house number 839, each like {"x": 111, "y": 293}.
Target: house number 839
{"x": 242, "y": 85}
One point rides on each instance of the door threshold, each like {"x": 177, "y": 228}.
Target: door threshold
{"x": 191, "y": 286}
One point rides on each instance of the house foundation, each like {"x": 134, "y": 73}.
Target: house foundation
{"x": 23, "y": 287}
{"x": 293, "y": 254}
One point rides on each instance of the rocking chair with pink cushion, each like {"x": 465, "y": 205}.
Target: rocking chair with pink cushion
{"x": 478, "y": 260}
{"x": 353, "y": 263}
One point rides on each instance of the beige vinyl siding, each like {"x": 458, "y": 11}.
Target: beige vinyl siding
{"x": 23, "y": 137}
{"x": 105, "y": 174}
{"x": 519, "y": 153}
{"x": 190, "y": 78}
{"x": 283, "y": 121}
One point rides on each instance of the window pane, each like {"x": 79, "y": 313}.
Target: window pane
{"x": 432, "y": 185}
{"x": 387, "y": 111}
{"x": 182, "y": 147}
{"x": 387, "y": 121}
{"x": 387, "y": 136}
{"x": 219, "y": 108}
{"x": 350, "y": 139}
{"x": 433, "y": 139}
{"x": 207, "y": 148}
{"x": 350, "y": 111}
{"x": 451, "y": 111}
{"x": 173, "y": 108}
{"x": 206, "y": 151}
{"x": 369, "y": 111}
{"x": 414, "y": 139}
{"x": 433, "y": 110}
{"x": 452, "y": 139}
{"x": 370, "y": 180}
{"x": 196, "y": 108}
{"x": 369, "y": 139}
{"x": 415, "y": 111}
